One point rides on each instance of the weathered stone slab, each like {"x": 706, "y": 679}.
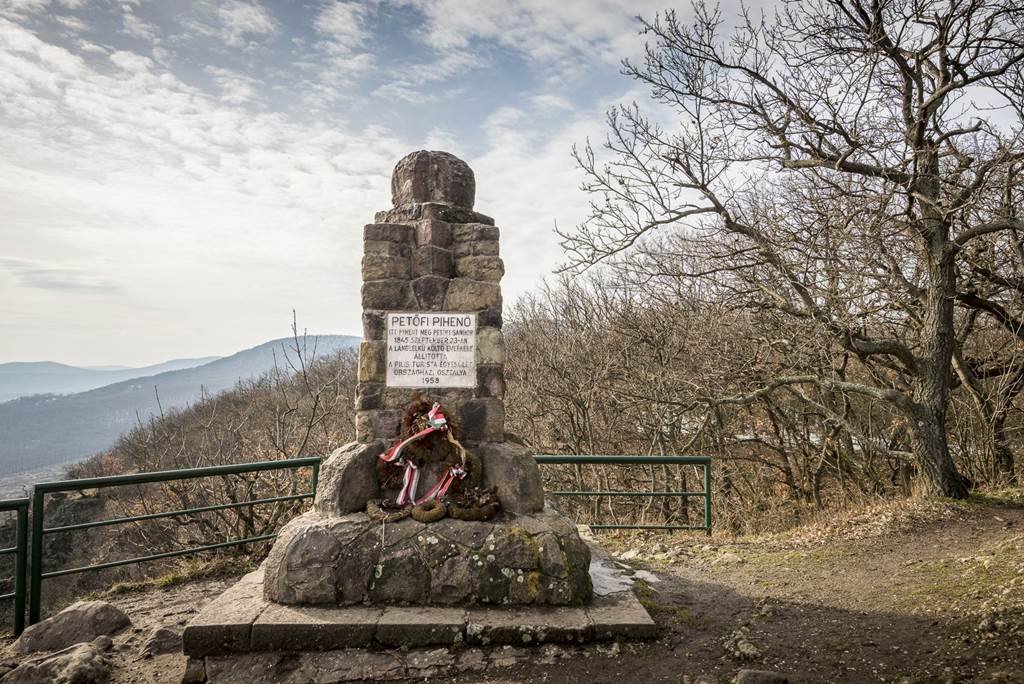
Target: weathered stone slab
{"x": 431, "y": 232}
{"x": 430, "y": 176}
{"x": 79, "y": 622}
{"x": 387, "y": 294}
{"x": 289, "y": 628}
{"x": 511, "y": 468}
{"x": 527, "y": 626}
{"x": 620, "y": 616}
{"x": 225, "y": 624}
{"x": 387, "y": 232}
{"x": 490, "y": 346}
{"x": 483, "y": 420}
{"x": 372, "y": 365}
{"x": 413, "y": 626}
{"x": 243, "y": 621}
{"x": 348, "y": 478}
{"x": 410, "y": 213}
{"x": 465, "y": 294}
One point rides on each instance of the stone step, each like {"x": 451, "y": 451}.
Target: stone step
{"x": 242, "y": 621}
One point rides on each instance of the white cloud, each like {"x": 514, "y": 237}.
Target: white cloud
{"x": 129, "y": 61}
{"x": 240, "y": 21}
{"x": 216, "y": 212}
{"x": 560, "y": 37}
{"x": 137, "y": 27}
{"x": 44, "y": 276}
{"x": 235, "y": 88}
{"x": 344, "y": 24}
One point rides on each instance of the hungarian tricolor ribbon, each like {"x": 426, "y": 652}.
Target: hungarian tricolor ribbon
{"x": 436, "y": 422}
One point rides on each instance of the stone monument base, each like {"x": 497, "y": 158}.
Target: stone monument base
{"x": 243, "y": 637}
{"x": 324, "y": 559}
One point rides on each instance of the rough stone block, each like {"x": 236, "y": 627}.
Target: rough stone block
{"x": 383, "y": 267}
{"x": 620, "y": 617}
{"x": 482, "y": 419}
{"x": 81, "y": 621}
{"x": 450, "y": 214}
{"x": 471, "y": 232}
{"x": 490, "y": 346}
{"x": 387, "y": 294}
{"x": 490, "y": 317}
{"x": 465, "y": 294}
{"x": 510, "y": 467}
{"x": 431, "y": 232}
{"x": 302, "y": 566}
{"x": 486, "y": 268}
{"x": 388, "y": 232}
{"x": 372, "y": 366}
{"x": 430, "y": 292}
{"x": 490, "y": 381}
{"x": 475, "y": 248}
{"x": 348, "y": 478}
{"x": 225, "y": 624}
{"x": 431, "y": 210}
{"x": 378, "y": 424}
{"x": 412, "y": 626}
{"x": 385, "y": 248}
{"x": 525, "y": 626}
{"x": 369, "y": 396}
{"x": 291, "y": 628}
{"x": 400, "y": 576}
{"x": 431, "y": 261}
{"x": 374, "y": 325}
{"x": 430, "y": 176}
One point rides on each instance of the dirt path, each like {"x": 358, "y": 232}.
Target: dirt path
{"x": 894, "y": 595}
{"x": 941, "y": 600}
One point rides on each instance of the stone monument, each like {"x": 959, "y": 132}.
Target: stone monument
{"x": 360, "y": 586}
{"x": 431, "y": 299}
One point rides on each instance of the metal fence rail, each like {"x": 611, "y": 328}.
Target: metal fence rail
{"x": 20, "y": 553}
{"x": 39, "y": 491}
{"x": 587, "y": 459}
{"x": 33, "y": 574}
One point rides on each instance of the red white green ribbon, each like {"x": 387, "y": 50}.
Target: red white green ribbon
{"x": 436, "y": 422}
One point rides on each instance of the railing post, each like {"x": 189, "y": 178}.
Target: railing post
{"x": 316, "y": 477}
{"x": 707, "y": 497}
{"x": 20, "y": 565}
{"x": 35, "y": 586}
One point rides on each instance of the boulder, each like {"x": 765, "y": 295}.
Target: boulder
{"x": 511, "y": 468}
{"x": 348, "y": 478}
{"x": 81, "y": 621}
{"x": 161, "y": 640}
{"x": 79, "y": 664}
{"x": 426, "y": 176}
{"x": 511, "y": 560}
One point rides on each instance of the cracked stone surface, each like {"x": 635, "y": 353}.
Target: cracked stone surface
{"x": 322, "y": 559}
{"x": 242, "y": 620}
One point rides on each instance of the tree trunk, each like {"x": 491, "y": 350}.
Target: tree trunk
{"x": 936, "y": 473}
{"x": 1002, "y": 453}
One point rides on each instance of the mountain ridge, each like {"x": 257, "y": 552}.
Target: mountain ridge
{"x": 27, "y": 378}
{"x": 48, "y": 429}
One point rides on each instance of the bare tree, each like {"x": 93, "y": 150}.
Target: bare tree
{"x": 830, "y": 165}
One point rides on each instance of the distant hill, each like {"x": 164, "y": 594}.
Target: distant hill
{"x": 42, "y": 430}
{"x": 46, "y": 377}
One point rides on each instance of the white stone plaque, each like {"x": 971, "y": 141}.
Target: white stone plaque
{"x": 431, "y": 349}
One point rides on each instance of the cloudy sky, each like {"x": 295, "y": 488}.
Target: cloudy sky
{"x": 177, "y": 175}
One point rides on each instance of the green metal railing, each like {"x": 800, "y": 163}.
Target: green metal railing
{"x": 20, "y": 553}
{"x": 577, "y": 459}
{"x": 37, "y": 573}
